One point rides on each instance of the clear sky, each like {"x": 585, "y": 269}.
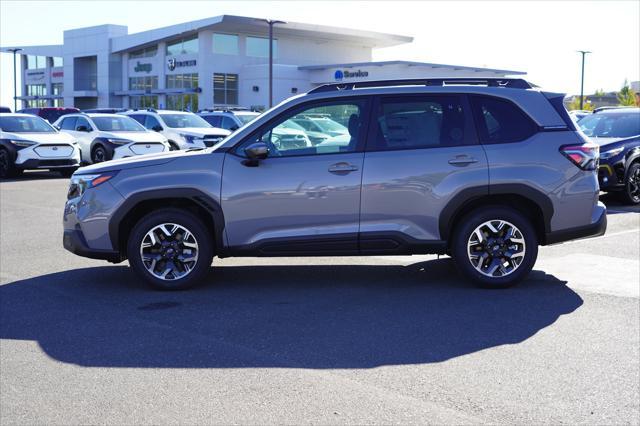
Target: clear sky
{"x": 538, "y": 37}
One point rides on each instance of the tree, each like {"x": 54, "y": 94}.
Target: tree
{"x": 599, "y": 92}
{"x": 575, "y": 104}
{"x": 625, "y": 96}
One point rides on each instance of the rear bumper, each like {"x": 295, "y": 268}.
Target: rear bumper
{"x": 74, "y": 241}
{"x": 595, "y": 229}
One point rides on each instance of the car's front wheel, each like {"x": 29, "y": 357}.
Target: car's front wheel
{"x": 99, "y": 155}
{"x": 170, "y": 248}
{"x": 7, "y": 167}
{"x": 495, "y": 246}
{"x": 631, "y": 193}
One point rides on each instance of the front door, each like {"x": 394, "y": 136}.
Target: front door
{"x": 304, "y": 198}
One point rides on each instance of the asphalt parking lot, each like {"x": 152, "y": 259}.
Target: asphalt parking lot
{"x": 313, "y": 340}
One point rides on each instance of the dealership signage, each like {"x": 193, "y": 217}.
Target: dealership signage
{"x": 173, "y": 63}
{"x": 35, "y": 75}
{"x": 340, "y": 75}
{"x": 57, "y": 74}
{"x": 142, "y": 67}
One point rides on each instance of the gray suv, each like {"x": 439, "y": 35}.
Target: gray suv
{"x": 482, "y": 170}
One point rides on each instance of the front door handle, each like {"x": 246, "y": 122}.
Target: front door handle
{"x": 342, "y": 168}
{"x": 462, "y": 160}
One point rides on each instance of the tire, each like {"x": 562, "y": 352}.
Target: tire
{"x": 8, "y": 168}
{"x": 168, "y": 253}
{"x": 478, "y": 268}
{"x": 99, "y": 155}
{"x": 631, "y": 193}
{"x": 66, "y": 173}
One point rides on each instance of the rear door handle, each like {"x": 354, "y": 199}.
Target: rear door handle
{"x": 342, "y": 168}
{"x": 462, "y": 160}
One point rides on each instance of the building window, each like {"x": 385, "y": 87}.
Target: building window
{"x": 258, "y": 47}
{"x": 182, "y": 81}
{"x": 183, "y": 102}
{"x": 36, "y": 90}
{"x": 147, "y": 52}
{"x": 56, "y": 88}
{"x": 149, "y": 82}
{"x": 141, "y": 102}
{"x": 58, "y": 103}
{"x": 225, "y": 89}
{"x": 225, "y": 44}
{"x": 36, "y": 62}
{"x": 57, "y": 62}
{"x": 184, "y": 46}
{"x": 36, "y": 103}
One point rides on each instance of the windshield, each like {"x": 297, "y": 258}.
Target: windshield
{"x": 179, "y": 121}
{"x": 290, "y": 124}
{"x": 117, "y": 124}
{"x": 329, "y": 125}
{"x": 245, "y": 118}
{"x": 615, "y": 125}
{"x": 25, "y": 125}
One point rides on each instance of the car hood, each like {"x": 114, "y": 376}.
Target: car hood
{"x": 41, "y": 138}
{"x": 136, "y": 136}
{"x": 140, "y": 161}
{"x": 202, "y": 131}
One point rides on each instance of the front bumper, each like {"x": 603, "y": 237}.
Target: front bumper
{"x": 594, "y": 229}
{"x": 611, "y": 175}
{"x": 35, "y": 163}
{"x": 74, "y": 241}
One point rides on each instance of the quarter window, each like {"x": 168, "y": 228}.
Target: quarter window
{"x": 420, "y": 122}
{"x": 81, "y": 121}
{"x": 500, "y": 121}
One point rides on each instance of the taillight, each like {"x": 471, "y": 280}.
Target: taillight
{"x": 584, "y": 156}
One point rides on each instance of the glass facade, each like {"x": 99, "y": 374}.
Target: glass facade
{"x": 258, "y": 47}
{"x": 35, "y": 62}
{"x": 184, "y": 46}
{"x": 147, "y": 52}
{"x": 36, "y": 90}
{"x": 225, "y": 89}
{"x": 143, "y": 83}
{"x": 182, "y": 81}
{"x": 140, "y": 102}
{"x": 225, "y": 44}
{"x": 57, "y": 62}
{"x": 57, "y": 88}
{"x": 183, "y": 102}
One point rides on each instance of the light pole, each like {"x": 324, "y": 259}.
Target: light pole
{"x": 15, "y": 90}
{"x": 271, "y": 23}
{"x": 584, "y": 52}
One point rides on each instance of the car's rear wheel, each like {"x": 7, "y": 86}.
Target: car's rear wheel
{"x": 7, "y": 167}
{"x": 496, "y": 247}
{"x": 171, "y": 249}
{"x": 631, "y": 193}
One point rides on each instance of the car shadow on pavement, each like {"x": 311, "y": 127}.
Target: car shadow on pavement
{"x": 34, "y": 175}
{"x": 338, "y": 316}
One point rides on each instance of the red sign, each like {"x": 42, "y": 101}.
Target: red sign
{"x": 57, "y": 74}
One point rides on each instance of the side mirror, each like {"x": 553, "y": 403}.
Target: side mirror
{"x": 234, "y": 128}
{"x": 82, "y": 129}
{"x": 157, "y": 128}
{"x": 257, "y": 151}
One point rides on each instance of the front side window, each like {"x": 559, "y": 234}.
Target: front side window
{"x": 287, "y": 138}
{"x": 82, "y": 122}
{"x": 500, "y": 121}
{"x": 25, "y": 125}
{"x": 117, "y": 124}
{"x": 415, "y": 122}
{"x": 225, "y": 89}
{"x": 184, "y": 46}
{"x": 258, "y": 47}
{"x": 225, "y": 44}
{"x": 68, "y": 123}
{"x": 180, "y": 121}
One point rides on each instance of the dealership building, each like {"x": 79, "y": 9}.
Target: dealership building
{"x": 212, "y": 62}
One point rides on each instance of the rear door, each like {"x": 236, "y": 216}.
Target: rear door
{"x": 422, "y": 151}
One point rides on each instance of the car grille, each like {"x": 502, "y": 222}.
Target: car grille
{"x": 211, "y": 140}
{"x": 52, "y": 151}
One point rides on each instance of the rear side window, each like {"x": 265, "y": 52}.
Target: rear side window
{"x": 138, "y": 117}
{"x": 415, "y": 122}
{"x": 151, "y": 122}
{"x": 214, "y": 120}
{"x": 500, "y": 121}
{"x": 68, "y": 123}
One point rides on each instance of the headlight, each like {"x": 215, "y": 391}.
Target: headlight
{"x": 80, "y": 183}
{"x": 23, "y": 143}
{"x": 119, "y": 141}
{"x": 611, "y": 153}
{"x": 190, "y": 138}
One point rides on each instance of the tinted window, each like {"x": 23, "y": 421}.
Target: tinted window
{"x": 226, "y": 44}
{"x": 613, "y": 125}
{"x": 286, "y": 138}
{"x": 500, "y": 121}
{"x": 25, "y": 125}
{"x": 214, "y": 120}
{"x": 138, "y": 117}
{"x": 68, "y": 123}
{"x": 117, "y": 124}
{"x": 180, "y": 121}
{"x": 420, "y": 122}
{"x": 151, "y": 122}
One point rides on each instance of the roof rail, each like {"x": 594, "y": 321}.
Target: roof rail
{"x": 513, "y": 83}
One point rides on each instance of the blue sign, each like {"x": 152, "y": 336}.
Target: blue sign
{"x": 338, "y": 75}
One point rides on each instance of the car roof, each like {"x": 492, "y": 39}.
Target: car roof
{"x": 621, "y": 110}
{"x": 18, "y": 114}
{"x": 101, "y": 114}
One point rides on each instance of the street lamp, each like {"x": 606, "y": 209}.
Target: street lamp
{"x": 15, "y": 90}
{"x": 271, "y": 23}
{"x": 584, "y": 52}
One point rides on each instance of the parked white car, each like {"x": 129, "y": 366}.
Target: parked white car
{"x": 29, "y": 142}
{"x": 184, "y": 130}
{"x": 104, "y": 137}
